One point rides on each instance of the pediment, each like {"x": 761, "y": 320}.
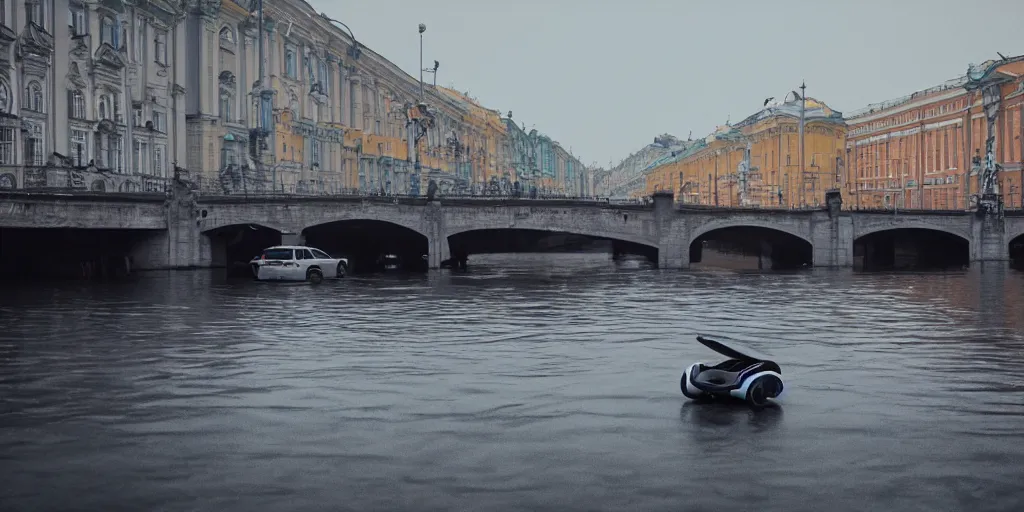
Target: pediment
{"x": 80, "y": 47}
{"x": 36, "y": 40}
{"x": 106, "y": 55}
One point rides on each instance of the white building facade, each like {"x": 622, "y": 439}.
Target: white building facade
{"x": 91, "y": 94}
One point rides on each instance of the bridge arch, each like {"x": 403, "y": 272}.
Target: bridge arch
{"x": 1015, "y": 248}
{"x": 232, "y": 246}
{"x": 781, "y": 226}
{"x": 910, "y": 244}
{"x": 373, "y": 242}
{"x": 486, "y": 238}
{"x": 861, "y": 232}
{"x": 776, "y": 245}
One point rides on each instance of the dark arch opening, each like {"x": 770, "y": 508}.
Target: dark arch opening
{"x": 750, "y": 247}
{"x": 910, "y": 249}
{"x": 43, "y": 254}
{"x": 372, "y": 245}
{"x": 232, "y": 247}
{"x": 516, "y": 240}
{"x": 1017, "y": 252}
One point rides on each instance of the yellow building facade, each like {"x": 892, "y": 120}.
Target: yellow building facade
{"x": 756, "y": 163}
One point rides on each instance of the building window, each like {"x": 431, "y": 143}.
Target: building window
{"x": 139, "y": 41}
{"x": 5, "y": 95}
{"x": 161, "y": 47}
{"x": 140, "y": 154}
{"x": 118, "y": 116}
{"x": 322, "y": 75}
{"x": 110, "y": 151}
{"x": 158, "y": 159}
{"x": 78, "y": 147}
{"x": 76, "y": 20}
{"x": 109, "y": 32}
{"x": 137, "y": 117}
{"x": 34, "y": 96}
{"x": 289, "y": 63}
{"x": 317, "y": 151}
{"x": 6, "y": 146}
{"x": 159, "y": 121}
{"x": 76, "y": 104}
{"x": 34, "y": 147}
{"x": 104, "y": 108}
{"x": 226, "y": 36}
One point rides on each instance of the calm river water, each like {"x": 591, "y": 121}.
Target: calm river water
{"x": 515, "y": 386}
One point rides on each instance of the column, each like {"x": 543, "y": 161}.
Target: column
{"x": 242, "y": 77}
{"x": 58, "y": 107}
{"x": 357, "y": 102}
{"x": 177, "y": 144}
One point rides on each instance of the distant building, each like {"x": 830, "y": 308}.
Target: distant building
{"x": 756, "y": 162}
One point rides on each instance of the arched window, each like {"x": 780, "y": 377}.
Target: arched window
{"x": 104, "y": 108}
{"x": 227, "y": 36}
{"x": 289, "y": 63}
{"x": 34, "y": 96}
{"x": 5, "y": 97}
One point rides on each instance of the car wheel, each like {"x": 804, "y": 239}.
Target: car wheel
{"x": 341, "y": 269}
{"x": 255, "y": 271}
{"x": 314, "y": 275}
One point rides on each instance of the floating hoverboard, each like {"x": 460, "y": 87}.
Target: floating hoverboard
{"x": 745, "y": 375}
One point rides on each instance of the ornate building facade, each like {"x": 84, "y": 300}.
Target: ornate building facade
{"x": 91, "y": 94}
{"x": 937, "y": 148}
{"x": 342, "y": 117}
{"x": 757, "y": 161}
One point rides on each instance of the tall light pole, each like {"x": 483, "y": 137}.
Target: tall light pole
{"x": 803, "y": 107}
{"x": 423, "y": 28}
{"x": 265, "y": 97}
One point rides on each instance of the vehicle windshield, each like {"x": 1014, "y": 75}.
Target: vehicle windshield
{"x": 277, "y": 254}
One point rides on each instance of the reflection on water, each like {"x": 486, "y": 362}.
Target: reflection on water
{"x": 513, "y": 385}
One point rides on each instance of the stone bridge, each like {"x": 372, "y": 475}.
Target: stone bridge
{"x": 179, "y": 226}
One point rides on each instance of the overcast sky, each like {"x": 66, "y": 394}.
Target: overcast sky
{"x": 603, "y": 77}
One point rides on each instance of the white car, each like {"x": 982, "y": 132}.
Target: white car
{"x": 297, "y": 263}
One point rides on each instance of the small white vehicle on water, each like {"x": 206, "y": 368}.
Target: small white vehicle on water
{"x": 297, "y": 263}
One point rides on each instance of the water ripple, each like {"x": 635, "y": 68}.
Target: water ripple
{"x": 517, "y": 385}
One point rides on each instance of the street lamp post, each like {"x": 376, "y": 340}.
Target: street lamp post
{"x": 423, "y": 28}
{"x": 803, "y": 107}
{"x": 353, "y": 51}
